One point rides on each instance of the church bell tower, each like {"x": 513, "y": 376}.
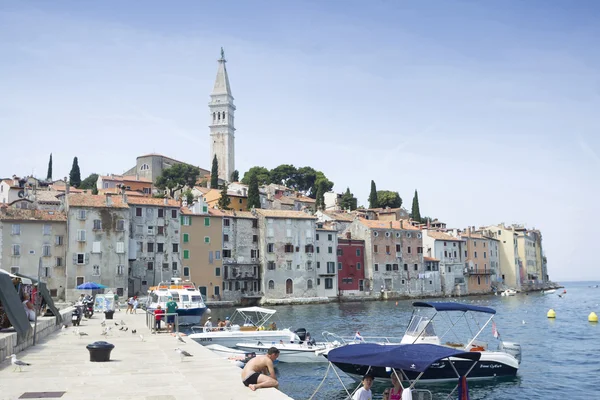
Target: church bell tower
{"x": 222, "y": 131}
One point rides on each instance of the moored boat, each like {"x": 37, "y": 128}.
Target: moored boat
{"x": 509, "y": 292}
{"x": 290, "y": 352}
{"x": 190, "y": 306}
{"x": 247, "y": 325}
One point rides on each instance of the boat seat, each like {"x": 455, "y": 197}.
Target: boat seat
{"x": 457, "y": 345}
{"x": 248, "y": 328}
{"x": 421, "y": 394}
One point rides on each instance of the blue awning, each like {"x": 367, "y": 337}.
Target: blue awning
{"x": 410, "y": 357}
{"x": 445, "y": 306}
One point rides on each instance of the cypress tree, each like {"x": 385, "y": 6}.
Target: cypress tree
{"x": 214, "y": 174}
{"x": 75, "y": 174}
{"x": 235, "y": 176}
{"x": 373, "y": 202}
{"x": 49, "y": 175}
{"x": 415, "y": 212}
{"x": 224, "y": 200}
{"x": 253, "y": 194}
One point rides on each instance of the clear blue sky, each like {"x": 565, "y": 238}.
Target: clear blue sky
{"x": 489, "y": 109}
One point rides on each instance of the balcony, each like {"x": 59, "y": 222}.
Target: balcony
{"x": 479, "y": 271}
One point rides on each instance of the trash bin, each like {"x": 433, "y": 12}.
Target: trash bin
{"x": 100, "y": 351}
{"x": 109, "y": 314}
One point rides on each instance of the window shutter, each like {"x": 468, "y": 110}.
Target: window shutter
{"x": 96, "y": 247}
{"x": 87, "y": 258}
{"x": 181, "y": 219}
{"x": 121, "y": 247}
{"x": 210, "y": 257}
{"x": 190, "y": 221}
{"x": 74, "y": 258}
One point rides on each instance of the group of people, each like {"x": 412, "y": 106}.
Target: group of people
{"x": 132, "y": 305}
{"x": 221, "y": 324}
{"x": 393, "y": 393}
{"x": 159, "y": 315}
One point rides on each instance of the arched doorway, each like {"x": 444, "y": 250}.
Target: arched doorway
{"x": 289, "y": 287}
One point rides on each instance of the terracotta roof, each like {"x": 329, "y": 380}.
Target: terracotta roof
{"x": 117, "y": 191}
{"x": 201, "y": 189}
{"x": 398, "y": 225}
{"x": 47, "y": 196}
{"x": 340, "y": 216}
{"x": 430, "y": 259}
{"x": 9, "y": 214}
{"x": 231, "y": 213}
{"x": 303, "y": 199}
{"x": 284, "y": 214}
{"x": 95, "y": 201}
{"x": 122, "y": 178}
{"x": 442, "y": 236}
{"x": 168, "y": 158}
{"x": 152, "y": 201}
{"x": 285, "y": 200}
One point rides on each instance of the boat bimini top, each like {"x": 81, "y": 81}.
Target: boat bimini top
{"x": 448, "y": 306}
{"x": 400, "y": 358}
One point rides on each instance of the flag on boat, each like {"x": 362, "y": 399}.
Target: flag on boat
{"x": 358, "y": 337}
{"x": 495, "y": 330}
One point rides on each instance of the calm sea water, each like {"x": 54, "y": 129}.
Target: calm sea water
{"x": 560, "y": 357}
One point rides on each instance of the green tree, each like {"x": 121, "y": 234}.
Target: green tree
{"x": 49, "y": 174}
{"x": 235, "y": 176}
{"x": 94, "y": 190}
{"x": 188, "y": 196}
{"x": 415, "y": 213}
{"x": 75, "y": 174}
{"x": 262, "y": 175}
{"x": 386, "y": 198}
{"x": 305, "y": 179}
{"x": 348, "y": 201}
{"x": 224, "y": 200}
{"x": 214, "y": 173}
{"x": 177, "y": 177}
{"x": 322, "y": 183}
{"x": 285, "y": 175}
{"x": 322, "y": 188}
{"x": 373, "y": 200}
{"x": 253, "y": 194}
{"x": 89, "y": 182}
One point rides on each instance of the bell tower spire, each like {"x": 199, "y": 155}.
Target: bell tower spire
{"x": 222, "y": 130}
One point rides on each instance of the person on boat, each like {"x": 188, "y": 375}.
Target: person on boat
{"x": 395, "y": 392}
{"x": 171, "y": 311}
{"x": 208, "y": 325}
{"x": 221, "y": 324}
{"x": 364, "y": 393}
{"x": 254, "y": 374}
{"x": 227, "y": 322}
{"x": 273, "y": 326}
{"x": 28, "y": 306}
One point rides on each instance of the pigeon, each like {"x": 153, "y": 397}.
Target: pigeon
{"x": 142, "y": 337}
{"x": 179, "y": 338}
{"x": 17, "y": 363}
{"x": 116, "y": 324}
{"x": 123, "y": 322}
{"x": 103, "y": 323}
{"x": 126, "y": 329}
{"x": 121, "y": 328}
{"x": 104, "y": 333}
{"x": 183, "y": 353}
{"x": 133, "y": 331}
{"x": 80, "y": 334}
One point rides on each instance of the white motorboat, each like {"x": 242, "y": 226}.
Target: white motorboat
{"x": 304, "y": 352}
{"x": 509, "y": 292}
{"x": 247, "y": 325}
{"x": 549, "y": 291}
{"x": 239, "y": 358}
{"x": 190, "y": 306}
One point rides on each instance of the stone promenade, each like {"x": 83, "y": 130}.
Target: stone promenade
{"x": 138, "y": 370}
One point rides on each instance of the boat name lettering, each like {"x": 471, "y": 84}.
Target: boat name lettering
{"x": 206, "y": 339}
{"x": 490, "y": 366}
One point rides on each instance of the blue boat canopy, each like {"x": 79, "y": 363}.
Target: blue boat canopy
{"x": 410, "y": 357}
{"x": 446, "y": 306}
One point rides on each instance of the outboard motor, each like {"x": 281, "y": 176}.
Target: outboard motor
{"x": 301, "y": 334}
{"x": 514, "y": 349}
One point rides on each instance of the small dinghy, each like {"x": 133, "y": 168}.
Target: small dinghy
{"x": 305, "y": 352}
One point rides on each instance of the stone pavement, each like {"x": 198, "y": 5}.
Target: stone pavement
{"x": 138, "y": 370}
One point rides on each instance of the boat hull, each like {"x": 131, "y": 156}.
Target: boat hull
{"x": 289, "y": 353}
{"x": 492, "y": 364}
{"x": 188, "y": 316}
{"x": 232, "y": 338}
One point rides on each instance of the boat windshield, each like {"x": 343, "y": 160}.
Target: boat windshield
{"x": 196, "y": 299}
{"x": 185, "y": 298}
{"x": 420, "y": 326}
{"x": 175, "y": 296}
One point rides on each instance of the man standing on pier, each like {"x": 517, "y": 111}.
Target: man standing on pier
{"x": 254, "y": 373}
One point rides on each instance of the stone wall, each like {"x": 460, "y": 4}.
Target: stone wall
{"x": 45, "y": 327}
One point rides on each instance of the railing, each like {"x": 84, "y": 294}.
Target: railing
{"x": 479, "y": 271}
{"x": 151, "y": 321}
{"x": 332, "y": 338}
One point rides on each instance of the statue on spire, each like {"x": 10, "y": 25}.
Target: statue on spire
{"x": 222, "y": 54}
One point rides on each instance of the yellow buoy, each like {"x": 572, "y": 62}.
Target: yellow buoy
{"x": 551, "y": 314}
{"x": 593, "y": 317}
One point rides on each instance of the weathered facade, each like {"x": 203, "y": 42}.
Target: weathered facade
{"x": 526, "y": 247}
{"x": 326, "y": 243}
{"x": 351, "y": 265}
{"x": 480, "y": 262}
{"x": 511, "y": 272}
{"x": 28, "y": 237}
{"x": 241, "y": 260}
{"x": 98, "y": 235}
{"x": 154, "y": 253}
{"x": 450, "y": 253}
{"x": 287, "y": 254}
{"x": 150, "y": 167}
{"x": 202, "y": 232}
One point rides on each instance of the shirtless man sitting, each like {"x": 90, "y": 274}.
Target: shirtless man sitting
{"x": 254, "y": 373}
